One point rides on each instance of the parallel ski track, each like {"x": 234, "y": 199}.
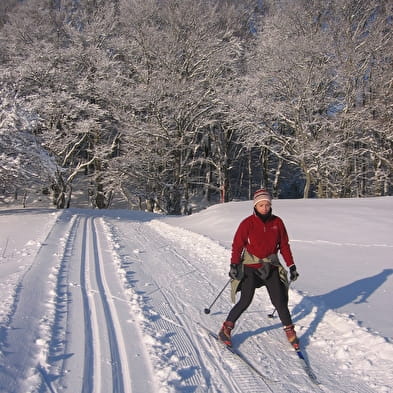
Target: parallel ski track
{"x": 91, "y": 318}
{"x": 92, "y": 276}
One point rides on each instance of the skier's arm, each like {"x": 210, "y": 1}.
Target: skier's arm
{"x": 239, "y": 242}
{"x": 284, "y": 246}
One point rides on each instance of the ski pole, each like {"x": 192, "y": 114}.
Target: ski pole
{"x": 207, "y": 310}
{"x": 272, "y": 314}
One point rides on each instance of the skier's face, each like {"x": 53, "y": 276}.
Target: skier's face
{"x": 263, "y": 207}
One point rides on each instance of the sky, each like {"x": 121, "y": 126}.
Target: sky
{"x": 113, "y": 300}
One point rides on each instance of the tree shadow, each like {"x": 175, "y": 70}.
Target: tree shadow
{"x": 357, "y": 292}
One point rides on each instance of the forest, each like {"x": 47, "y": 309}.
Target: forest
{"x": 167, "y": 104}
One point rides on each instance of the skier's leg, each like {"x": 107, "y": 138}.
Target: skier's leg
{"x": 246, "y": 295}
{"x": 278, "y": 294}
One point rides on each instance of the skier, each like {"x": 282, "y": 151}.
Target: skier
{"x": 254, "y": 263}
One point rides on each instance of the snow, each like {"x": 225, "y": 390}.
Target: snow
{"x": 101, "y": 301}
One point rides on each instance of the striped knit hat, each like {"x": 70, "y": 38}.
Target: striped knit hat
{"x": 262, "y": 195}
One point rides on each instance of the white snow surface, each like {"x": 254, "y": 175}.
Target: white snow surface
{"x": 113, "y": 301}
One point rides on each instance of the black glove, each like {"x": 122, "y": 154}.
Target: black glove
{"x": 234, "y": 271}
{"x": 293, "y": 274}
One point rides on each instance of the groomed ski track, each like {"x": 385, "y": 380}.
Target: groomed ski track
{"x": 119, "y": 308}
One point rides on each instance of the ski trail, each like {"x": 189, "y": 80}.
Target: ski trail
{"x": 96, "y": 356}
{"x": 117, "y": 341}
{"x": 72, "y": 323}
{"x": 92, "y": 306}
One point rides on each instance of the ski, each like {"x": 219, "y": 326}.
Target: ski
{"x": 240, "y": 356}
{"x": 303, "y": 362}
{"x": 306, "y": 367}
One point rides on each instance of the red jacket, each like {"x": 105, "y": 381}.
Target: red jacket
{"x": 261, "y": 239}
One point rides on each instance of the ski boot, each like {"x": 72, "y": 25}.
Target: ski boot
{"x": 224, "y": 334}
{"x": 291, "y": 335}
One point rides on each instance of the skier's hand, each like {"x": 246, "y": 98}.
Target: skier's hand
{"x": 293, "y": 274}
{"x": 234, "y": 271}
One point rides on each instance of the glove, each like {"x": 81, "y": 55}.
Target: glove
{"x": 234, "y": 271}
{"x": 293, "y": 274}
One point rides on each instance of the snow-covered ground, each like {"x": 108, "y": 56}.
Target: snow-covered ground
{"x": 113, "y": 301}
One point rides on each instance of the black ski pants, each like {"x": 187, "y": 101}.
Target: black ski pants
{"x": 276, "y": 289}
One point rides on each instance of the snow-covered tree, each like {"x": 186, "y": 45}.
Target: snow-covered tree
{"x": 179, "y": 55}
{"x": 303, "y": 84}
{"x": 65, "y": 76}
{"x": 363, "y": 38}
{"x": 25, "y": 166}
{"x": 163, "y": 101}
